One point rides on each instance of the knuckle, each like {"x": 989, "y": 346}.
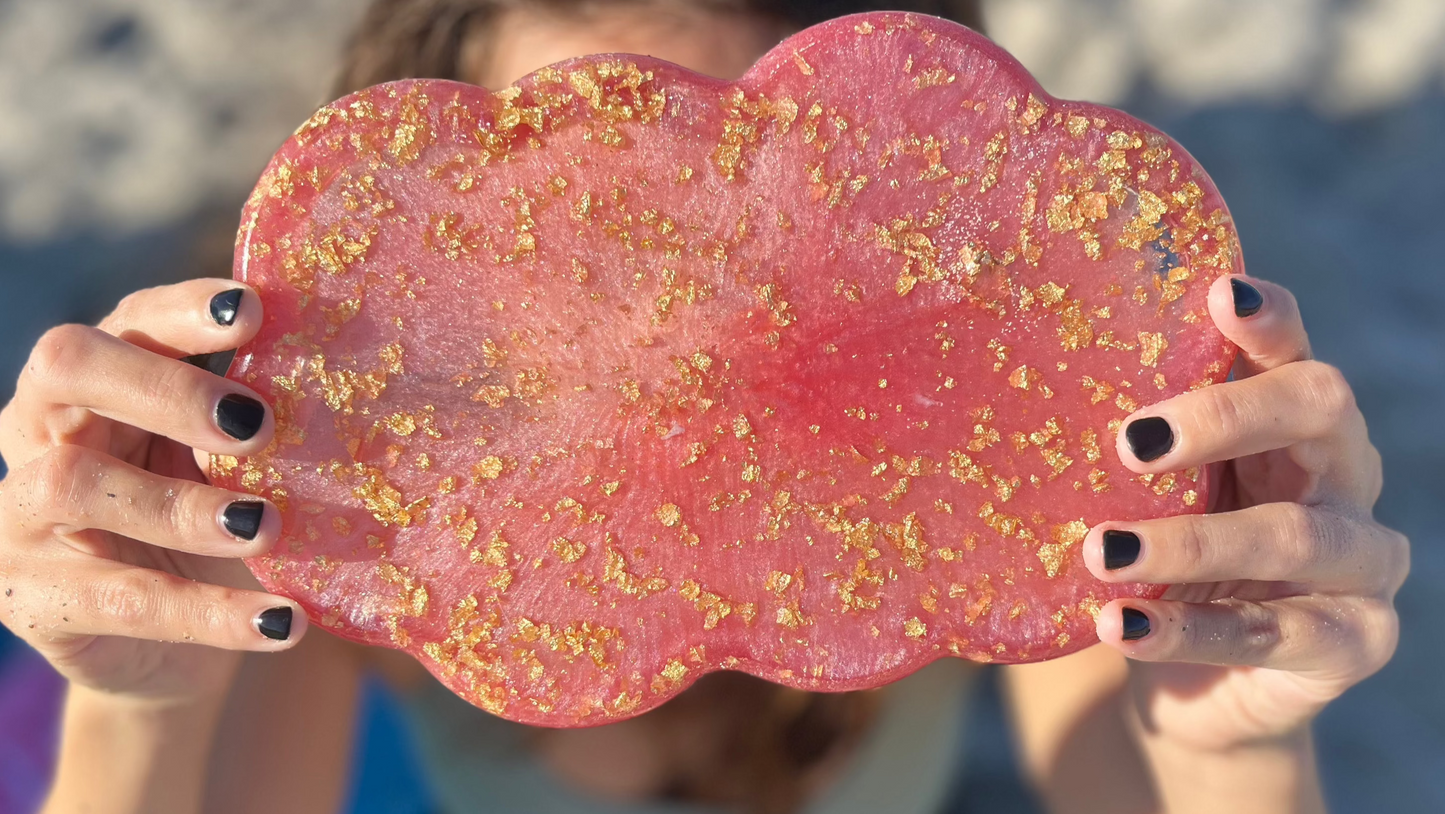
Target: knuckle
{"x": 1314, "y": 537}
{"x": 59, "y": 351}
{"x": 1397, "y": 553}
{"x": 1257, "y": 632}
{"x": 1219, "y": 411}
{"x": 1383, "y": 635}
{"x": 130, "y": 305}
{"x": 163, "y": 383}
{"x": 210, "y": 618}
{"x": 1189, "y": 551}
{"x": 1329, "y": 392}
{"x": 182, "y": 507}
{"x": 129, "y": 600}
{"x": 55, "y": 480}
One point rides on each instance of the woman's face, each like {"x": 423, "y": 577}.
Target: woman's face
{"x": 527, "y": 38}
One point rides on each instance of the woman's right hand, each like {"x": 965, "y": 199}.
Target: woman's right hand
{"x": 118, "y": 562}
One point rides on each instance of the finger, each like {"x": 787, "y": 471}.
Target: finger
{"x": 1349, "y": 636}
{"x": 74, "y": 366}
{"x": 1263, "y": 319}
{"x": 1291, "y": 405}
{"x": 1273, "y": 542}
{"x": 191, "y": 318}
{"x": 85, "y": 596}
{"x": 72, "y": 489}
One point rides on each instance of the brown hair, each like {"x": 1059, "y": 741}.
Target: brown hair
{"x": 773, "y": 745}
{"x": 431, "y": 39}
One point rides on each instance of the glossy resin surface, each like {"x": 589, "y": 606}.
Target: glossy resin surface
{"x": 594, "y": 384}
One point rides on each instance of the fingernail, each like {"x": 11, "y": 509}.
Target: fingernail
{"x": 1121, "y": 548}
{"x": 225, "y": 305}
{"x": 276, "y": 623}
{"x": 243, "y": 518}
{"x": 1247, "y": 299}
{"x": 1149, "y": 438}
{"x": 1136, "y": 624}
{"x": 217, "y": 363}
{"x": 240, "y": 416}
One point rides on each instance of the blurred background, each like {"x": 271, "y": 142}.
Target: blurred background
{"x": 131, "y": 131}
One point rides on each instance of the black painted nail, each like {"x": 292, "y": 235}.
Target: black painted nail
{"x": 217, "y": 363}
{"x": 243, "y": 518}
{"x": 1136, "y": 624}
{"x": 1121, "y": 548}
{"x": 1149, "y": 438}
{"x": 240, "y": 417}
{"x": 276, "y": 623}
{"x": 1247, "y": 299}
{"x": 225, "y": 305}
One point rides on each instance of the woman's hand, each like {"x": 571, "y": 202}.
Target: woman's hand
{"x": 116, "y": 558}
{"x": 1283, "y": 595}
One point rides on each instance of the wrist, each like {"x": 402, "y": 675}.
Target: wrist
{"x": 122, "y": 753}
{"x": 1277, "y": 775}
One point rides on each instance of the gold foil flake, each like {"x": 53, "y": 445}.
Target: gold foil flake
{"x": 391, "y": 357}
{"x": 933, "y": 77}
{"x": 1065, "y": 536}
{"x": 777, "y": 582}
{"x": 489, "y": 468}
{"x": 492, "y": 395}
{"x": 1056, "y": 460}
{"x": 1190, "y": 497}
{"x": 803, "y": 67}
{"x": 915, "y": 628}
{"x": 223, "y": 465}
{"x": 993, "y": 154}
{"x": 791, "y": 616}
{"x": 1024, "y": 377}
{"x": 907, "y": 539}
{"x": 574, "y": 641}
{"x": 385, "y": 502}
{"x": 741, "y": 427}
{"x": 411, "y": 132}
{"x": 1077, "y": 125}
{"x": 631, "y": 391}
{"x": 344, "y": 312}
{"x": 567, "y": 550}
{"x": 492, "y": 355}
{"x": 713, "y": 607}
{"x": 342, "y": 246}
{"x": 1145, "y": 228}
{"x": 962, "y": 468}
{"x": 615, "y": 572}
{"x": 402, "y": 424}
{"x": 668, "y": 515}
{"x": 414, "y": 595}
{"x": 1151, "y": 346}
{"x": 671, "y": 676}
{"x": 1001, "y": 354}
{"x": 1102, "y": 390}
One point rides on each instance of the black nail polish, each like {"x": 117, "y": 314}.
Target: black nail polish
{"x": 1121, "y": 548}
{"x": 1136, "y": 624}
{"x": 276, "y": 623}
{"x": 243, "y": 518}
{"x": 240, "y": 417}
{"x": 225, "y": 305}
{"x": 1247, "y": 299}
{"x": 217, "y": 363}
{"x": 1149, "y": 438}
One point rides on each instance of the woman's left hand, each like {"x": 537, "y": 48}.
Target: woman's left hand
{"x": 1283, "y": 594}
